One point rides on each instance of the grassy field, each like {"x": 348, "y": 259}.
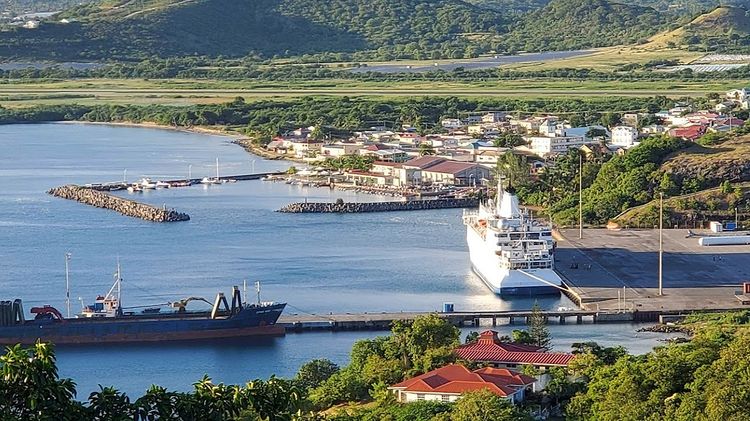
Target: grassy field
{"x": 186, "y": 91}
{"x": 613, "y": 58}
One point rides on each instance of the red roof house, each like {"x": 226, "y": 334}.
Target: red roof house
{"x": 447, "y": 383}
{"x": 689, "y": 132}
{"x": 489, "y": 349}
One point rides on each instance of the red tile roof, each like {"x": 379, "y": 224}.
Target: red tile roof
{"x": 689, "y": 132}
{"x": 424, "y": 162}
{"x": 451, "y": 167}
{"x": 489, "y": 349}
{"x": 457, "y": 379}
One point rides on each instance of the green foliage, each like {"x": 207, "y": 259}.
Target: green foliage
{"x": 578, "y": 24}
{"x": 109, "y": 404}
{"x": 345, "y": 385}
{"x": 484, "y": 405}
{"x": 622, "y": 182}
{"x": 315, "y": 372}
{"x": 538, "y": 331}
{"x": 472, "y": 337}
{"x": 30, "y": 385}
{"x": 172, "y": 28}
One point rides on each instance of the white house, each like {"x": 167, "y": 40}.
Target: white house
{"x": 448, "y": 383}
{"x": 738, "y": 95}
{"x": 544, "y": 146}
{"x": 624, "y": 136}
{"x": 451, "y": 123}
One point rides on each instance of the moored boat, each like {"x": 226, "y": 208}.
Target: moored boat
{"x": 106, "y": 321}
{"x": 509, "y": 250}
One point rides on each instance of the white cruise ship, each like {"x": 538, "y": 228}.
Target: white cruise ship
{"x": 511, "y": 252}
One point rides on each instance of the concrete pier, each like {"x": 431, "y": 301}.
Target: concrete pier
{"x": 616, "y": 271}
{"x": 356, "y": 207}
{"x": 126, "y": 207}
{"x": 383, "y": 321}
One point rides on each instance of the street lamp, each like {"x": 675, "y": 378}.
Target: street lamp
{"x": 190, "y": 172}
{"x": 580, "y": 195}
{"x": 661, "y": 241}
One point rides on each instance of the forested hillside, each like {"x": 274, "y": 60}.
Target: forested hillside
{"x": 577, "y": 24}
{"x": 238, "y": 28}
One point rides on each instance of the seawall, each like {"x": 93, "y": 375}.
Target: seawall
{"x": 126, "y": 207}
{"x": 359, "y": 207}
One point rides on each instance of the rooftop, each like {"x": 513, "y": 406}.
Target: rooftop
{"x": 489, "y": 348}
{"x": 424, "y": 161}
{"x": 450, "y": 167}
{"x": 457, "y": 379}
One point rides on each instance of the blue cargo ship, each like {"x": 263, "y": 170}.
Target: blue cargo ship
{"x": 107, "y": 322}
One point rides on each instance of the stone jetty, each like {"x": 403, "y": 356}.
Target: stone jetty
{"x": 360, "y": 207}
{"x": 126, "y": 207}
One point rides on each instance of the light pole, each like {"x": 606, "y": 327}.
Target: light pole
{"x": 67, "y": 282}
{"x": 661, "y": 241}
{"x": 580, "y": 195}
{"x": 125, "y": 176}
{"x": 190, "y": 172}
{"x": 253, "y": 166}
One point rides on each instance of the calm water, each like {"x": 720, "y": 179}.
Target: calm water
{"x": 317, "y": 263}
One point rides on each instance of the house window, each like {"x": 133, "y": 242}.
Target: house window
{"x": 446, "y": 398}
{"x": 420, "y": 396}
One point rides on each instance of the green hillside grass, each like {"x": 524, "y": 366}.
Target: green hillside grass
{"x": 722, "y": 29}
{"x": 131, "y": 29}
{"x": 577, "y": 24}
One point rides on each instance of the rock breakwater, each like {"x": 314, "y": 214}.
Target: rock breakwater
{"x": 124, "y": 206}
{"x": 359, "y": 207}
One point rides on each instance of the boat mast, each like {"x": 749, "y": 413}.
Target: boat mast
{"x": 257, "y": 291}
{"x": 67, "y": 283}
{"x": 217, "y": 169}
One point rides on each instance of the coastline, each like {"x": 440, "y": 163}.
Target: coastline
{"x": 238, "y": 138}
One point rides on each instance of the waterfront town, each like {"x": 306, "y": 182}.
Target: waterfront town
{"x": 463, "y": 152}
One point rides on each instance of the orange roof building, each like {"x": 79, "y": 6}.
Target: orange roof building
{"x": 488, "y": 349}
{"x": 447, "y": 384}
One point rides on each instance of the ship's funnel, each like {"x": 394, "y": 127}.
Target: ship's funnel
{"x": 508, "y": 206}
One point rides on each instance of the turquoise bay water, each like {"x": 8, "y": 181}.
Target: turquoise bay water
{"x": 316, "y": 263}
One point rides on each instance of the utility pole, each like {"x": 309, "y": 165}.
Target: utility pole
{"x": 67, "y": 283}
{"x": 580, "y": 194}
{"x": 661, "y": 241}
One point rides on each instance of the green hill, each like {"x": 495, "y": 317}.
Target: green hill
{"x": 144, "y": 28}
{"x": 578, "y": 24}
{"x": 722, "y": 29}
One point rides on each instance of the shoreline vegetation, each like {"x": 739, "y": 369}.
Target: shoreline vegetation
{"x": 690, "y": 379}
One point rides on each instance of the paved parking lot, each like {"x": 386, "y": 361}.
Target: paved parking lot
{"x": 605, "y": 263}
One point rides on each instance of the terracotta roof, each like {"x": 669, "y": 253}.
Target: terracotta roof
{"x": 457, "y": 379}
{"x": 489, "y": 348}
{"x": 450, "y": 167}
{"x": 424, "y": 162}
{"x": 689, "y": 132}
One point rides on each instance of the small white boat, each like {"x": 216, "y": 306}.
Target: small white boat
{"x": 213, "y": 180}
{"x": 146, "y": 183}
{"x": 135, "y": 189}
{"x": 162, "y": 185}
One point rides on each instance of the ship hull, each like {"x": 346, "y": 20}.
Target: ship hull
{"x": 487, "y": 266}
{"x": 246, "y": 323}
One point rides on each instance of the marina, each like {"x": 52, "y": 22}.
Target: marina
{"x": 363, "y": 264}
